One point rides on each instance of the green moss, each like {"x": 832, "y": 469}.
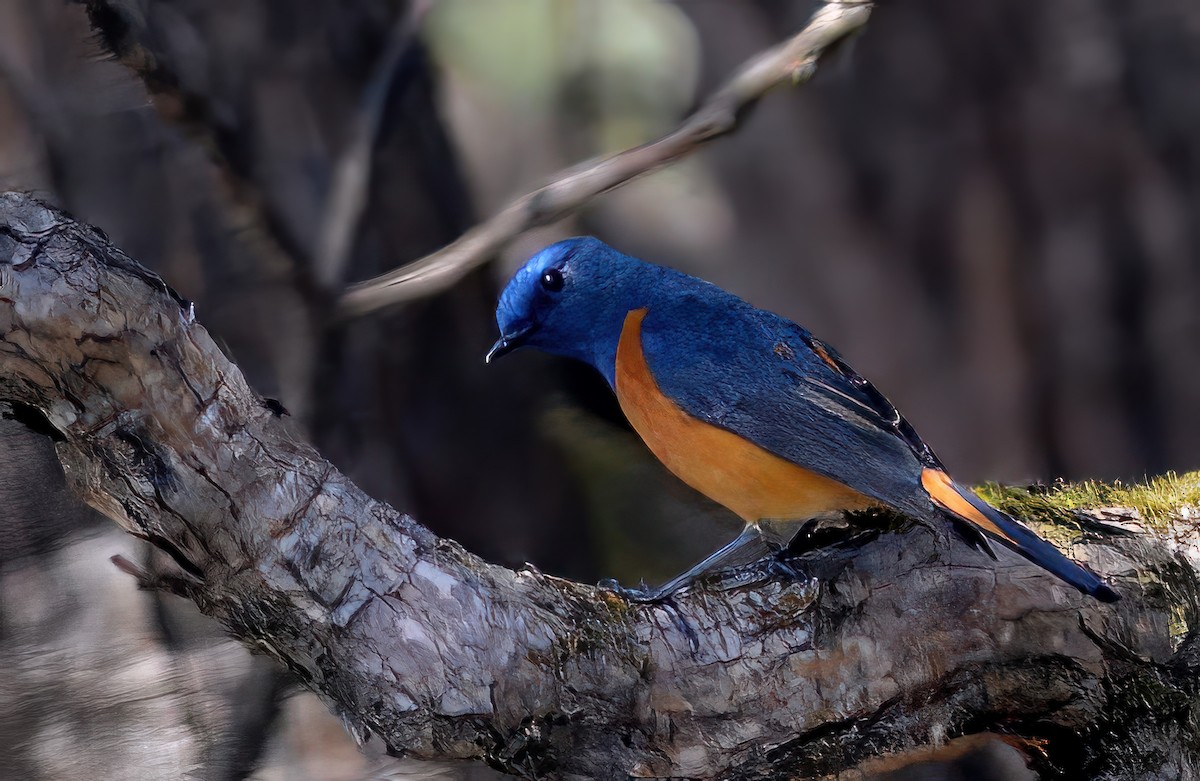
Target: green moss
{"x": 1158, "y": 500}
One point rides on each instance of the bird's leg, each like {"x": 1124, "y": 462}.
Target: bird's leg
{"x": 724, "y": 557}
{"x": 775, "y": 534}
{"x": 778, "y": 536}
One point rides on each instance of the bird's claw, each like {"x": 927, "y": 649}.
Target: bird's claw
{"x": 641, "y": 593}
{"x": 779, "y": 567}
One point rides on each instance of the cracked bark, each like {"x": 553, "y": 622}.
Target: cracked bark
{"x": 895, "y": 639}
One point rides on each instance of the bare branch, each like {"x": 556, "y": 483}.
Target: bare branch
{"x": 889, "y": 640}
{"x": 793, "y": 61}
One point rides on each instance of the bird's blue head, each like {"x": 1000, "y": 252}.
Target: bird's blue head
{"x": 571, "y": 299}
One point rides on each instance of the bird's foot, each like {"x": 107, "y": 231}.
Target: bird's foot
{"x": 776, "y": 566}
{"x": 780, "y": 565}
{"x": 645, "y": 595}
{"x": 642, "y": 594}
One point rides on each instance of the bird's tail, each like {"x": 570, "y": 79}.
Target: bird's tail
{"x": 963, "y": 503}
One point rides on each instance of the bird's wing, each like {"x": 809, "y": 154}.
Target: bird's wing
{"x": 768, "y": 380}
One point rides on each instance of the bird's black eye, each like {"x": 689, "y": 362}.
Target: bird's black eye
{"x": 552, "y": 280}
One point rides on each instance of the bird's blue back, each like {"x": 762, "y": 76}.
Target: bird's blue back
{"x": 723, "y": 363}
{"x": 758, "y": 375}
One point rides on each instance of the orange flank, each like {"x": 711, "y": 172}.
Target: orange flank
{"x": 753, "y": 482}
{"x": 941, "y": 489}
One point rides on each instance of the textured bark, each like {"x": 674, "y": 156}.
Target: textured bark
{"x": 892, "y": 639}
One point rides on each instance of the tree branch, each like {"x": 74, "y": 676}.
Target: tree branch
{"x": 794, "y": 61}
{"x": 892, "y": 639}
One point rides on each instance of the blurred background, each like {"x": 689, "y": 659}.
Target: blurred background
{"x": 991, "y": 209}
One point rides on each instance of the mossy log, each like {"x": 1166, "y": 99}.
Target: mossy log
{"x": 893, "y": 639}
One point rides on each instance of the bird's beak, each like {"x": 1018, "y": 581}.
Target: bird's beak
{"x": 509, "y": 342}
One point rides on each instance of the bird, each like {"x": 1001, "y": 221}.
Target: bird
{"x": 745, "y": 406}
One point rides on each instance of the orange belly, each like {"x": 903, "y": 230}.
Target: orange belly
{"x": 753, "y": 482}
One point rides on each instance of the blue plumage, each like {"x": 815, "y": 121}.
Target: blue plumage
{"x": 753, "y": 373}
{"x": 759, "y": 376}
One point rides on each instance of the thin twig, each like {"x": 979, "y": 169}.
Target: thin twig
{"x": 793, "y": 61}
{"x": 347, "y": 199}
{"x": 179, "y": 583}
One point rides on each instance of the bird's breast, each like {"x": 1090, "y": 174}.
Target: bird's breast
{"x": 729, "y": 469}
